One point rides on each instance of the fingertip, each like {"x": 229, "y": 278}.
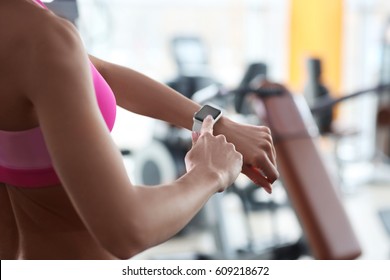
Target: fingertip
{"x": 265, "y": 187}
{"x": 268, "y": 190}
{"x": 210, "y": 119}
{"x": 274, "y": 177}
{"x": 207, "y": 125}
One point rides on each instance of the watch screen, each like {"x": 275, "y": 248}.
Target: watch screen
{"x": 205, "y": 111}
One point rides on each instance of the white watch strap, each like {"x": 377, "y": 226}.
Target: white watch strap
{"x": 196, "y": 126}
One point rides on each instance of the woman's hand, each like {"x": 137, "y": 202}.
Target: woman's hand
{"x": 256, "y": 145}
{"x": 214, "y": 154}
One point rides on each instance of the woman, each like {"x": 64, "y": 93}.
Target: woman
{"x": 64, "y": 192}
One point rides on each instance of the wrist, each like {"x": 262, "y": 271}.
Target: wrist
{"x": 232, "y": 131}
{"x": 204, "y": 176}
{"x": 224, "y": 126}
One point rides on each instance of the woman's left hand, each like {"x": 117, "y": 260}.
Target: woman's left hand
{"x": 256, "y": 145}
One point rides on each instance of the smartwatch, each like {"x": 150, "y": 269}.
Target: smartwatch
{"x": 202, "y": 114}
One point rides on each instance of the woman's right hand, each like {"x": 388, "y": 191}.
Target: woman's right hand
{"x": 214, "y": 155}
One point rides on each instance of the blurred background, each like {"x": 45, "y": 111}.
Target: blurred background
{"x": 320, "y": 50}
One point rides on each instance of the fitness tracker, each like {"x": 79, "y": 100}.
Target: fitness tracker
{"x": 202, "y": 114}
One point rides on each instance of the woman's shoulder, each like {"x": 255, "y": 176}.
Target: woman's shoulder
{"x": 52, "y": 30}
{"x": 35, "y": 41}
{"x": 28, "y": 21}
{"x": 32, "y": 31}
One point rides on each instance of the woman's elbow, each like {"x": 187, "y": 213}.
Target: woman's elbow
{"x": 125, "y": 251}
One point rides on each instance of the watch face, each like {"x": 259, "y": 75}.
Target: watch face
{"x": 207, "y": 110}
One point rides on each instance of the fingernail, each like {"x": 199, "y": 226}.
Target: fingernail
{"x": 268, "y": 190}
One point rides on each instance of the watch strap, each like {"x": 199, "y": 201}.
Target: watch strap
{"x": 197, "y": 125}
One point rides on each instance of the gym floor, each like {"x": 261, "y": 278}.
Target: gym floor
{"x": 263, "y": 228}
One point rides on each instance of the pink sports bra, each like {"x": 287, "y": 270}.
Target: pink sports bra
{"x": 24, "y": 158}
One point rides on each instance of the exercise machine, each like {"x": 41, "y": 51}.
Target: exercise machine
{"x": 311, "y": 190}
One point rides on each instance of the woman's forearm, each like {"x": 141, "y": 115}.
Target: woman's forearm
{"x": 142, "y": 95}
{"x": 139, "y": 94}
{"x": 166, "y": 209}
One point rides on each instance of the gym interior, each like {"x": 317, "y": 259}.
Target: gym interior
{"x": 331, "y": 124}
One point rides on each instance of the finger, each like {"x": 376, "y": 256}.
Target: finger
{"x": 272, "y": 152}
{"x": 268, "y": 169}
{"x": 269, "y": 148}
{"x": 257, "y": 178}
{"x": 274, "y": 155}
{"x": 207, "y": 125}
{"x": 195, "y": 137}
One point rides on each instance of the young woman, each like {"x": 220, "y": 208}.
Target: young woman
{"x": 64, "y": 191}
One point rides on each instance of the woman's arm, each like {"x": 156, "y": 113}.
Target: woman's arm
{"x": 140, "y": 94}
{"x": 124, "y": 218}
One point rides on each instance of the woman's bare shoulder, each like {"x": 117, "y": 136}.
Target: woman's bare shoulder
{"x": 32, "y": 34}
{"x": 53, "y": 33}
{"x": 28, "y": 23}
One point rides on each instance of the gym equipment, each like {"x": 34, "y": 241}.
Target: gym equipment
{"x": 191, "y": 60}
{"x": 384, "y": 214}
{"x": 383, "y": 118}
{"x": 327, "y": 230}
{"x": 314, "y": 91}
{"x": 324, "y": 104}
{"x": 254, "y": 71}
{"x": 311, "y": 191}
